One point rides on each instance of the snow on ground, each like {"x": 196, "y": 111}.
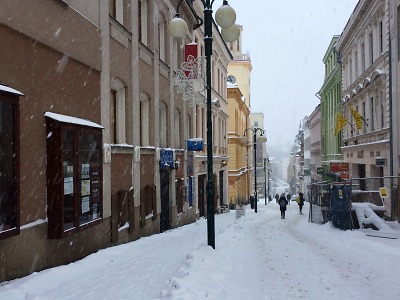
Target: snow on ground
{"x": 258, "y": 256}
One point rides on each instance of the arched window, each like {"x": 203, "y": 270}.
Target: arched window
{"x": 144, "y": 120}
{"x": 143, "y": 10}
{"x": 117, "y": 112}
{"x": 163, "y": 124}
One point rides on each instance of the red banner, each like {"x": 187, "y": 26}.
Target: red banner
{"x": 339, "y": 167}
{"x": 190, "y": 49}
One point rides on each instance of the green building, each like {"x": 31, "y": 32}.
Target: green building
{"x": 331, "y": 104}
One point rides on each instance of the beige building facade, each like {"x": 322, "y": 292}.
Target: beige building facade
{"x": 98, "y": 137}
{"x": 240, "y": 153}
{"x": 240, "y": 177}
{"x": 364, "y": 52}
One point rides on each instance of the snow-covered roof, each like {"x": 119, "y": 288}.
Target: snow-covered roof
{"x": 7, "y": 89}
{"x": 71, "y": 120}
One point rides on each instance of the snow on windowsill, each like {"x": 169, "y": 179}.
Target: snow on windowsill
{"x": 33, "y": 224}
{"x": 125, "y": 226}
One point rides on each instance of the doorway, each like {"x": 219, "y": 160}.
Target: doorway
{"x": 164, "y": 185}
{"x": 201, "y": 194}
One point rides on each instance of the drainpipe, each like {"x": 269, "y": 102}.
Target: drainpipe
{"x": 393, "y": 191}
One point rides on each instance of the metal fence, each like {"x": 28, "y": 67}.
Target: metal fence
{"x": 332, "y": 201}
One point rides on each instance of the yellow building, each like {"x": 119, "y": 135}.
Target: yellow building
{"x": 239, "y": 177}
{"x": 240, "y": 163}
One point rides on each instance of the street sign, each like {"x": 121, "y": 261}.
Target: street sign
{"x": 339, "y": 166}
{"x": 320, "y": 170}
{"x": 195, "y": 144}
{"x": 380, "y": 161}
{"x": 383, "y": 192}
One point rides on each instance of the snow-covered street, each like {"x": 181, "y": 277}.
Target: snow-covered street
{"x": 258, "y": 256}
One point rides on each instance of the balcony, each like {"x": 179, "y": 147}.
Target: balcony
{"x": 241, "y": 57}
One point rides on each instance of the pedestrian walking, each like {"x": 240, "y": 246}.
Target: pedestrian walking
{"x": 282, "y": 205}
{"x": 301, "y": 202}
{"x": 288, "y": 197}
{"x": 276, "y": 197}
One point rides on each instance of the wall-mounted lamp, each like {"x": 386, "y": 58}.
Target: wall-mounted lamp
{"x": 224, "y": 163}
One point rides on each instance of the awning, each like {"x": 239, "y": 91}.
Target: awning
{"x": 7, "y": 89}
{"x": 71, "y": 120}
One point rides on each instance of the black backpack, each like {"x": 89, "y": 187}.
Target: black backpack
{"x": 282, "y": 202}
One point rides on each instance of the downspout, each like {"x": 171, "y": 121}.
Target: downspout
{"x": 393, "y": 192}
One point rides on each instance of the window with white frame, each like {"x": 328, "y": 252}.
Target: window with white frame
{"x": 144, "y": 119}
{"x": 116, "y": 8}
{"x": 362, "y": 57}
{"x": 162, "y": 37}
{"x": 371, "y": 118}
{"x": 117, "y": 112}
{"x": 363, "y": 111}
{"x": 143, "y": 10}
{"x": 356, "y": 64}
{"x": 358, "y": 131}
{"x": 380, "y": 36}
{"x": 371, "y": 48}
{"x": 382, "y": 116}
{"x": 351, "y": 70}
{"x": 163, "y": 124}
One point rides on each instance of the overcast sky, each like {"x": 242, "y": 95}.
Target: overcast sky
{"x": 286, "y": 41}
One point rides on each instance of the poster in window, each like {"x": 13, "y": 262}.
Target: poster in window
{"x": 94, "y": 211}
{"x": 85, "y": 187}
{"x": 68, "y": 185}
{"x": 85, "y": 205}
{"x": 85, "y": 171}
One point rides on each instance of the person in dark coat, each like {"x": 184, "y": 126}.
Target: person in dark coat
{"x": 277, "y": 197}
{"x": 301, "y": 202}
{"x": 288, "y": 197}
{"x": 282, "y": 205}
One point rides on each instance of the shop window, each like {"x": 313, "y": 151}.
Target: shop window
{"x": 9, "y": 160}
{"x": 74, "y": 174}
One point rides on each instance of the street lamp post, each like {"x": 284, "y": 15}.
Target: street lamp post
{"x": 265, "y": 179}
{"x": 261, "y": 139}
{"x": 225, "y": 17}
{"x": 269, "y": 172}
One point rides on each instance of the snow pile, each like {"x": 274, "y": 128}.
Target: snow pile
{"x": 366, "y": 215}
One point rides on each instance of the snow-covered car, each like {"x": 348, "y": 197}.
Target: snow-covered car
{"x": 294, "y": 198}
